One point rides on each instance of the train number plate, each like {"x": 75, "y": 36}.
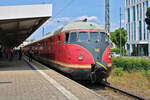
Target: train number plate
{"x": 97, "y": 50}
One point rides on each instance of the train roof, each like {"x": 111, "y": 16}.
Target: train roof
{"x": 82, "y": 26}
{"x": 73, "y": 26}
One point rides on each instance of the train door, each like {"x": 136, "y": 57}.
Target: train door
{"x": 66, "y": 41}
{"x": 63, "y": 48}
{"x": 51, "y": 48}
{"x": 59, "y": 56}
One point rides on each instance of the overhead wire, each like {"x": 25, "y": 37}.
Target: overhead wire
{"x": 61, "y": 10}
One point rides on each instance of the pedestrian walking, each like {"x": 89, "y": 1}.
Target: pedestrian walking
{"x": 12, "y": 53}
{"x": 30, "y": 53}
{"x": 9, "y": 54}
{"x": 20, "y": 54}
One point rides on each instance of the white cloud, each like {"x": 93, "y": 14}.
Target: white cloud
{"x": 122, "y": 21}
{"x": 56, "y": 21}
{"x": 91, "y": 18}
{"x": 59, "y": 22}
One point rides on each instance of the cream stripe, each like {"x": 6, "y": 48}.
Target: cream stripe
{"x": 71, "y": 65}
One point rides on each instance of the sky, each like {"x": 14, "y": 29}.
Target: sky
{"x": 65, "y": 11}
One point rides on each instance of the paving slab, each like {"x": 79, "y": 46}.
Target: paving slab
{"x": 81, "y": 92}
{"x": 19, "y": 81}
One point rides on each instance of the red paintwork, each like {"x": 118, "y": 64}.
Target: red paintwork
{"x": 106, "y": 54}
{"x": 72, "y": 54}
{"x": 67, "y": 55}
{"x": 64, "y": 53}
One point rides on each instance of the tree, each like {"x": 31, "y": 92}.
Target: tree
{"x": 115, "y": 37}
{"x": 148, "y": 18}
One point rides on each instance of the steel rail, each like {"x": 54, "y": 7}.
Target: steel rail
{"x": 122, "y": 91}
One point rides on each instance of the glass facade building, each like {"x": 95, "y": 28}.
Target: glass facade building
{"x": 138, "y": 42}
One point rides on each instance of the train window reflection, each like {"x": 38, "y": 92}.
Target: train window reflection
{"x": 73, "y": 37}
{"x": 94, "y": 36}
{"x": 83, "y": 36}
{"x": 104, "y": 37}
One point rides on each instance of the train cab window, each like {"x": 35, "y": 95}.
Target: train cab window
{"x": 58, "y": 39}
{"x": 67, "y": 37}
{"x": 104, "y": 37}
{"x": 94, "y": 36}
{"x": 73, "y": 37}
{"x": 83, "y": 36}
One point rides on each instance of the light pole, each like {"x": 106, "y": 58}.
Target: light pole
{"x": 107, "y": 17}
{"x": 120, "y": 33}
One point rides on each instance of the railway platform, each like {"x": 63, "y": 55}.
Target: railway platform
{"x": 23, "y": 80}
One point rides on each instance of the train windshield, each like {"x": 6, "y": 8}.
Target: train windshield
{"x": 73, "y": 37}
{"x": 83, "y": 36}
{"x": 94, "y": 36}
{"x": 104, "y": 37}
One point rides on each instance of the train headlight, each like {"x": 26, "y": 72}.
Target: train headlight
{"x": 97, "y": 50}
{"x": 109, "y": 55}
{"x": 80, "y": 57}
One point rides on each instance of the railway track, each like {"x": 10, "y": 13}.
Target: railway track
{"x": 121, "y": 91}
{"x": 99, "y": 86}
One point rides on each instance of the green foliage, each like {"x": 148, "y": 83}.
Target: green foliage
{"x": 148, "y": 18}
{"x": 118, "y": 72}
{"x": 148, "y": 72}
{"x": 131, "y": 64}
{"x": 117, "y": 50}
{"x": 115, "y": 37}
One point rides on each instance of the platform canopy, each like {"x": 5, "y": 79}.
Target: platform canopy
{"x": 18, "y": 22}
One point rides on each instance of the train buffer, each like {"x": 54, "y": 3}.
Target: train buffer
{"x": 21, "y": 80}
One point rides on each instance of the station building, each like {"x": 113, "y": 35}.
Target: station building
{"x": 138, "y": 42}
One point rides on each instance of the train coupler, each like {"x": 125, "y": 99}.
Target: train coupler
{"x": 93, "y": 77}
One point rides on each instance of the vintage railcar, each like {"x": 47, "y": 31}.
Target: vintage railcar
{"x": 80, "y": 49}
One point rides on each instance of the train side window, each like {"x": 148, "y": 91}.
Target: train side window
{"x": 94, "y": 36}
{"x": 102, "y": 36}
{"x": 58, "y": 39}
{"x": 67, "y": 37}
{"x": 73, "y": 37}
{"x": 83, "y": 36}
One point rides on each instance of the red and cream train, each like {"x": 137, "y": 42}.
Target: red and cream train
{"x": 80, "y": 49}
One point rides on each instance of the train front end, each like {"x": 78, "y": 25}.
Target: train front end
{"x": 90, "y": 47}
{"x": 98, "y": 45}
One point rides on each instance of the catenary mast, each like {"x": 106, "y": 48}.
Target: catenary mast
{"x": 107, "y": 17}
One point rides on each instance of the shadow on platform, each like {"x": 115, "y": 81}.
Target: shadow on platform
{"x": 14, "y": 64}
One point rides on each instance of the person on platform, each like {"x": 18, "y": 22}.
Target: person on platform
{"x": 20, "y": 54}
{"x": 9, "y": 54}
{"x": 30, "y": 53}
